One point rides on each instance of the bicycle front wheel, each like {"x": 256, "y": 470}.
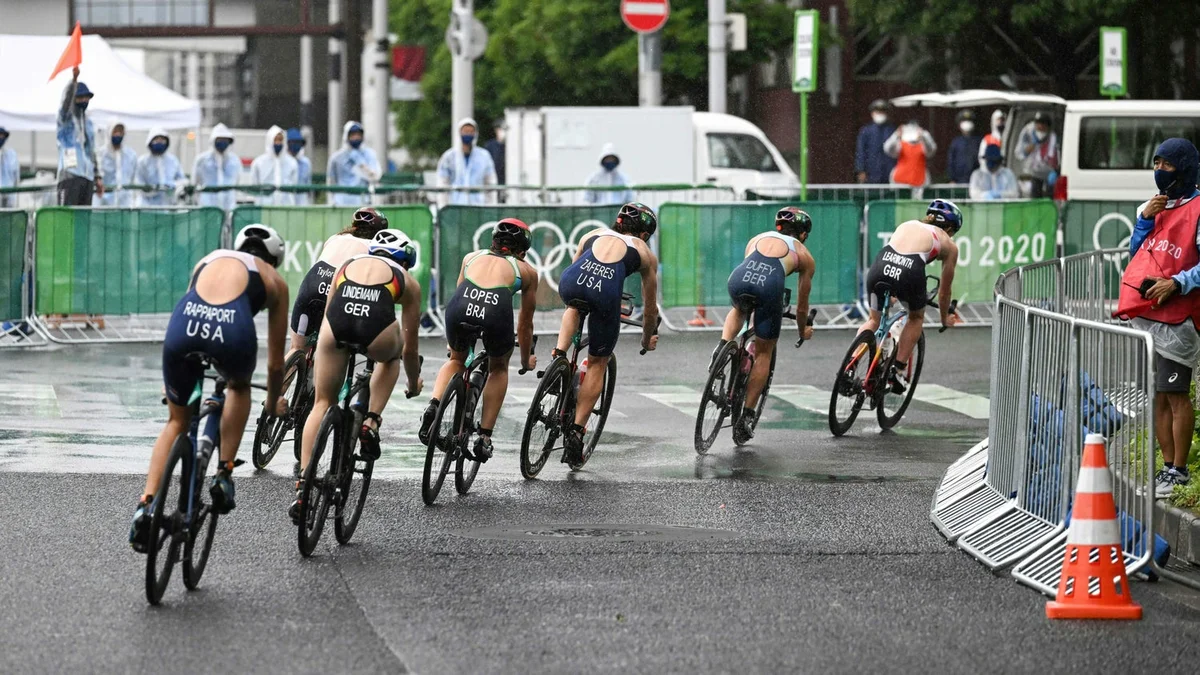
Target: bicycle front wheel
{"x": 600, "y": 412}
{"x": 714, "y": 400}
{"x": 542, "y": 424}
{"x": 892, "y": 405}
{"x": 204, "y": 524}
{"x": 465, "y": 469}
{"x": 165, "y": 532}
{"x": 443, "y": 440}
{"x": 270, "y": 431}
{"x": 849, "y": 387}
{"x": 319, "y": 483}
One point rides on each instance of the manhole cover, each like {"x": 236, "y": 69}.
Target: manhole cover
{"x": 585, "y": 532}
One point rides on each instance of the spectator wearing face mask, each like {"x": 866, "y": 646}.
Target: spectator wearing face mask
{"x": 295, "y": 148}
{"x": 963, "y": 156}
{"x": 608, "y": 176}
{"x": 78, "y": 171}
{"x": 355, "y": 165}
{"x": 996, "y": 136}
{"x": 912, "y": 147}
{"x": 871, "y": 163}
{"x": 467, "y": 165}
{"x": 274, "y": 167}
{"x": 118, "y": 164}
{"x": 1037, "y": 147}
{"x": 160, "y": 169}
{"x": 993, "y": 180}
{"x": 10, "y": 171}
{"x": 217, "y": 166}
{"x": 495, "y": 148}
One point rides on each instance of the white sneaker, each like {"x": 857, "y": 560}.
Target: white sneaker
{"x": 1165, "y": 485}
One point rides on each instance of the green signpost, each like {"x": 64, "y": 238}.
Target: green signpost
{"x": 804, "y": 81}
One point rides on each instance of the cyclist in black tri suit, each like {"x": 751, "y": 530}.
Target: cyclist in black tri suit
{"x": 596, "y": 277}
{"x": 901, "y": 264}
{"x": 215, "y": 320}
{"x": 361, "y": 313}
{"x": 770, "y": 258}
{"x": 487, "y": 283}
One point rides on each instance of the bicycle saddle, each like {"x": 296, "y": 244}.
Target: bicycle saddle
{"x": 581, "y": 305}
{"x": 471, "y": 328}
{"x": 747, "y": 301}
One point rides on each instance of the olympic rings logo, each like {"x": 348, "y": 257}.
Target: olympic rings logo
{"x": 1098, "y": 241}
{"x": 548, "y": 263}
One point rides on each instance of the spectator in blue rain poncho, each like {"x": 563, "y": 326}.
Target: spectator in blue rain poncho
{"x": 609, "y": 175}
{"x": 218, "y": 166}
{"x": 274, "y": 167}
{"x": 295, "y": 148}
{"x": 467, "y": 165}
{"x": 118, "y": 162}
{"x": 160, "y": 169}
{"x": 355, "y": 165}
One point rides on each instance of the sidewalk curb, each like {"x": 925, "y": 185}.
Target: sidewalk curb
{"x": 1181, "y": 529}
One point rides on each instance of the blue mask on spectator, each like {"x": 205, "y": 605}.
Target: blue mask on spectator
{"x": 294, "y": 147}
{"x": 158, "y": 148}
{"x": 354, "y": 143}
{"x": 278, "y": 148}
{"x": 116, "y": 141}
{"x": 222, "y": 144}
{"x": 81, "y": 105}
{"x": 609, "y": 165}
{"x": 1183, "y": 156}
{"x": 992, "y": 164}
{"x": 468, "y": 139}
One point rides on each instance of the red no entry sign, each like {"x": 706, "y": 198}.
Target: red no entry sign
{"x": 645, "y": 16}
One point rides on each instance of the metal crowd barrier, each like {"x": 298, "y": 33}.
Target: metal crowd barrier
{"x": 1062, "y": 367}
{"x": 16, "y": 280}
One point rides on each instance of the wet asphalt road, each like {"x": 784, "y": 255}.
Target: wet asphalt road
{"x": 818, "y": 554}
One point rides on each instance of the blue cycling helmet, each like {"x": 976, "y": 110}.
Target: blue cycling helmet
{"x": 396, "y": 245}
{"x": 946, "y": 215}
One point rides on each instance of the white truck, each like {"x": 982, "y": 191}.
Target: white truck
{"x": 557, "y": 147}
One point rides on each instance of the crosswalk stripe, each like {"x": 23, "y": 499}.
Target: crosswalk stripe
{"x": 684, "y": 399}
{"x": 802, "y": 396}
{"x": 972, "y": 406}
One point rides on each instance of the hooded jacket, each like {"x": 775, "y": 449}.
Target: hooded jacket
{"x": 117, "y": 167}
{"x": 473, "y": 169}
{"x": 214, "y": 168}
{"x": 352, "y": 167}
{"x": 161, "y": 171}
{"x": 303, "y": 166}
{"x": 272, "y": 169}
{"x": 606, "y": 178}
{"x": 996, "y": 137}
{"x": 76, "y": 139}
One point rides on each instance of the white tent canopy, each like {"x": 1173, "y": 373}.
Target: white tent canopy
{"x": 29, "y": 102}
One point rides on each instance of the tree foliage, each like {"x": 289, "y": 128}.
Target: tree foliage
{"x": 565, "y": 52}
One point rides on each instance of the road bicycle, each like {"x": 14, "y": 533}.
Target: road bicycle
{"x": 186, "y": 531}
{"x": 724, "y": 392}
{"x": 458, "y": 419}
{"x": 553, "y": 407}
{"x": 863, "y": 377}
{"x": 271, "y": 430}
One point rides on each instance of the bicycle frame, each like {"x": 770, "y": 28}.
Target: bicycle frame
{"x": 196, "y": 463}
{"x": 886, "y": 321}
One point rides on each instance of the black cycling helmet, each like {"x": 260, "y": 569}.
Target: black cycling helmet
{"x": 368, "y": 221}
{"x": 946, "y": 215}
{"x": 793, "y": 222}
{"x": 636, "y": 218}
{"x": 511, "y": 236}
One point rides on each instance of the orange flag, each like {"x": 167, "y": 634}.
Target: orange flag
{"x": 73, "y": 55}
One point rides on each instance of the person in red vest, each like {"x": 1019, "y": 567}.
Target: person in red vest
{"x": 912, "y": 147}
{"x": 1157, "y": 295}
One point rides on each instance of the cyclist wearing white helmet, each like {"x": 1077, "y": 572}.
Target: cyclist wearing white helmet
{"x": 215, "y": 321}
{"x": 901, "y": 265}
{"x": 487, "y": 283}
{"x": 360, "y": 314}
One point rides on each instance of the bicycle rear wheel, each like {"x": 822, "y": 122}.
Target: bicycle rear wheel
{"x": 356, "y": 481}
{"x": 542, "y": 424}
{"x": 762, "y": 397}
{"x": 204, "y": 524}
{"x": 849, "y": 391}
{"x": 165, "y": 530}
{"x": 600, "y": 412}
{"x": 892, "y": 406}
{"x": 715, "y": 399}
{"x": 271, "y": 430}
{"x": 444, "y": 439}
{"x": 319, "y": 483}
{"x": 466, "y": 469}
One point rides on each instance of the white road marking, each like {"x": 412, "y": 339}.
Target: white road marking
{"x": 975, "y": 407}
{"x": 684, "y": 399}
{"x": 802, "y": 396}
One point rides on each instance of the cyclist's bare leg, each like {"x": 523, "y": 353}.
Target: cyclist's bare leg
{"x": 384, "y": 350}
{"x": 762, "y": 369}
{"x": 570, "y": 324}
{"x": 178, "y": 418}
{"x": 449, "y": 369}
{"x": 495, "y": 389}
{"x": 910, "y": 335}
{"x": 233, "y": 418}
{"x": 589, "y": 391}
{"x": 329, "y": 369}
{"x": 733, "y": 324}
{"x": 872, "y": 322}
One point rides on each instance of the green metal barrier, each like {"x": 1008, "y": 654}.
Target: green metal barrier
{"x": 13, "y": 226}
{"x": 119, "y": 261}
{"x": 702, "y": 243}
{"x": 996, "y": 236}
{"x": 556, "y": 231}
{"x": 1092, "y": 225}
{"x": 305, "y": 228}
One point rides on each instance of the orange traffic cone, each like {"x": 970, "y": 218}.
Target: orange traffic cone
{"x": 701, "y": 318}
{"x": 1093, "y": 584}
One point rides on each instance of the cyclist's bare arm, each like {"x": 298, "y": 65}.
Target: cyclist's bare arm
{"x": 277, "y": 330}
{"x": 529, "y": 287}
{"x": 410, "y": 323}
{"x": 949, "y": 258}
{"x": 804, "y": 277}
{"x": 649, "y": 273}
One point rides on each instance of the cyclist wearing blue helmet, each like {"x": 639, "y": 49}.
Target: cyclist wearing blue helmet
{"x": 901, "y": 265}
{"x": 360, "y": 314}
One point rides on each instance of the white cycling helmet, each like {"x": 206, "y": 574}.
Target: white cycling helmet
{"x": 271, "y": 240}
{"x": 396, "y": 245}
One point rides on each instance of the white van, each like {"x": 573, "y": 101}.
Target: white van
{"x": 1108, "y": 146}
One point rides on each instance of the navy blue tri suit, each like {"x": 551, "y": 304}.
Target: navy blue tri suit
{"x": 224, "y": 333}
{"x": 599, "y": 284}
{"x": 763, "y": 277}
{"x": 490, "y": 308}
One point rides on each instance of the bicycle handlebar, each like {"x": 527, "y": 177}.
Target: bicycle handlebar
{"x": 812, "y": 316}
{"x": 953, "y": 310}
{"x": 656, "y": 325}
{"x": 532, "y": 349}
